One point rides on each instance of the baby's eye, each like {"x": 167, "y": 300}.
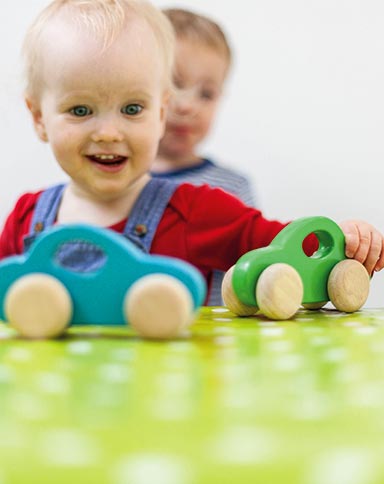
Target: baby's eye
{"x": 80, "y": 111}
{"x": 178, "y": 83}
{"x": 207, "y": 94}
{"x": 132, "y": 109}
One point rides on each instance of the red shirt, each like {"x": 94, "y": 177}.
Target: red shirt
{"x": 205, "y": 226}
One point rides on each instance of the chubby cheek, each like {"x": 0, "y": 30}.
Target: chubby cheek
{"x": 206, "y": 121}
{"x": 144, "y": 141}
{"x": 202, "y": 131}
{"x": 149, "y": 147}
{"x": 63, "y": 144}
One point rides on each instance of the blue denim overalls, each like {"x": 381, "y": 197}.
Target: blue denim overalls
{"x": 140, "y": 228}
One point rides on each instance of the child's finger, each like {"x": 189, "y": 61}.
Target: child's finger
{"x": 380, "y": 263}
{"x": 365, "y": 239}
{"x": 374, "y": 251}
{"x": 352, "y": 238}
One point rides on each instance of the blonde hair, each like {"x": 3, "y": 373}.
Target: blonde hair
{"x": 104, "y": 19}
{"x": 198, "y": 28}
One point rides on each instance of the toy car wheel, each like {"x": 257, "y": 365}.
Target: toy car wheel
{"x": 158, "y": 306}
{"x": 348, "y": 285}
{"x": 38, "y": 306}
{"x": 230, "y": 299}
{"x": 279, "y": 291}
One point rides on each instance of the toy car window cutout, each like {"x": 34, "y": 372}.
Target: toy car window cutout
{"x": 326, "y": 243}
{"x": 80, "y": 256}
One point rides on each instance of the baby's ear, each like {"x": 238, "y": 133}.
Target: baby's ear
{"x": 34, "y": 108}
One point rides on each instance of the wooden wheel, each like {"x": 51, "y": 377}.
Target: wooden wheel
{"x": 158, "y": 306}
{"x": 38, "y": 306}
{"x": 279, "y": 291}
{"x": 231, "y": 301}
{"x": 314, "y": 306}
{"x": 348, "y": 285}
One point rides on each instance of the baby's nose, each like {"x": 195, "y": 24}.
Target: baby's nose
{"x": 108, "y": 130}
{"x": 184, "y": 102}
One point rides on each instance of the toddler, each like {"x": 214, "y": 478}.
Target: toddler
{"x": 203, "y": 59}
{"x": 98, "y": 83}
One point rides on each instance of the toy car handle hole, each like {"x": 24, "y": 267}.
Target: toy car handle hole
{"x": 80, "y": 256}
{"x": 326, "y": 244}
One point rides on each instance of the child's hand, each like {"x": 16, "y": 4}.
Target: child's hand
{"x": 364, "y": 243}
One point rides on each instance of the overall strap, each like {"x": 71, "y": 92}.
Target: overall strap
{"x": 46, "y": 208}
{"x": 45, "y": 212}
{"x": 147, "y": 212}
{"x": 142, "y": 222}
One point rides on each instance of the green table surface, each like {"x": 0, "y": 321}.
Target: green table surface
{"x": 234, "y": 401}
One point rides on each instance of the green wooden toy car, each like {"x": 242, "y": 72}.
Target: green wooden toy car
{"x": 278, "y": 279}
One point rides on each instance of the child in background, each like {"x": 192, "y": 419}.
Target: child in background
{"x": 203, "y": 59}
{"x": 202, "y": 62}
{"x": 99, "y": 77}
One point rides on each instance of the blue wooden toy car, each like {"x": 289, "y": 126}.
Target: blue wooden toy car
{"x": 40, "y": 297}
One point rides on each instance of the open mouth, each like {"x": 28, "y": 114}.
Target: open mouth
{"x": 108, "y": 160}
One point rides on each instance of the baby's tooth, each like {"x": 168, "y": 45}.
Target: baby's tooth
{"x": 105, "y": 157}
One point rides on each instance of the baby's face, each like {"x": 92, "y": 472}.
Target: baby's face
{"x": 200, "y": 75}
{"x": 103, "y": 113}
